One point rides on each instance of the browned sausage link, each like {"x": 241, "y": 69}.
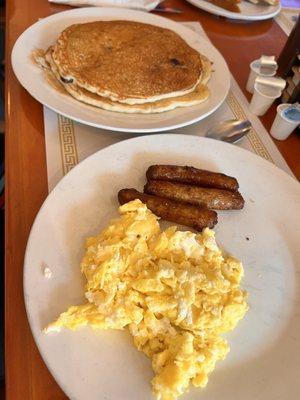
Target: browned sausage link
{"x": 191, "y": 175}
{"x": 217, "y": 199}
{"x": 170, "y": 210}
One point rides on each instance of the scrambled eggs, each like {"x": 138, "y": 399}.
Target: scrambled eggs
{"x": 176, "y": 292}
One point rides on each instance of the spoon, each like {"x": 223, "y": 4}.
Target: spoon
{"x": 229, "y": 131}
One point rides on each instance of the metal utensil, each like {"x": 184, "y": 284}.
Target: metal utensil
{"x": 230, "y": 131}
{"x": 165, "y": 9}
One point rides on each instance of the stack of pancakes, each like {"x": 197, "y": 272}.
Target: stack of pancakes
{"x": 129, "y": 67}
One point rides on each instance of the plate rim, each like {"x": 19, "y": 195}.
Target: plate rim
{"x": 112, "y": 127}
{"x": 202, "y": 4}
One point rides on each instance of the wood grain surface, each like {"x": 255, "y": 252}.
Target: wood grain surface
{"x": 26, "y": 180}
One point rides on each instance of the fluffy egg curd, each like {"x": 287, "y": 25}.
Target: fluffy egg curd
{"x": 175, "y": 291}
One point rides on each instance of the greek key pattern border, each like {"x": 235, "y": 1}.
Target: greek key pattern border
{"x": 286, "y": 21}
{"x": 69, "y": 155}
{"x": 68, "y": 148}
{"x": 252, "y": 136}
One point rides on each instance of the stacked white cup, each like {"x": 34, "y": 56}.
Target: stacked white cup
{"x": 287, "y": 119}
{"x": 263, "y": 84}
{"x": 266, "y": 66}
{"x": 266, "y": 90}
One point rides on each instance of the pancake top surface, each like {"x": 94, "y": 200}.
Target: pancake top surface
{"x": 127, "y": 59}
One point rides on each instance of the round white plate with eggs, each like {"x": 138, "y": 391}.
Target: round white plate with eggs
{"x": 44, "y": 33}
{"x": 263, "y": 363}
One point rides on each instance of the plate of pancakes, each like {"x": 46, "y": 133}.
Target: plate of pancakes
{"x": 247, "y": 10}
{"x": 121, "y": 70}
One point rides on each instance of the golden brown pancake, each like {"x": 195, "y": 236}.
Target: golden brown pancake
{"x": 200, "y": 94}
{"x": 206, "y": 70}
{"x": 127, "y": 61}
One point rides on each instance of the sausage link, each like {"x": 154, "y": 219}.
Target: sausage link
{"x": 191, "y": 175}
{"x": 216, "y": 199}
{"x": 186, "y": 214}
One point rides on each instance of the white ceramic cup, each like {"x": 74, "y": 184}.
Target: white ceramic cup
{"x": 282, "y": 126}
{"x": 263, "y": 97}
{"x": 254, "y": 73}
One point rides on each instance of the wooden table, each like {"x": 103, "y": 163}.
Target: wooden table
{"x": 26, "y": 180}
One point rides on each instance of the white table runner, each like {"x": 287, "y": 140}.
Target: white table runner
{"x": 69, "y": 142}
{"x": 287, "y": 18}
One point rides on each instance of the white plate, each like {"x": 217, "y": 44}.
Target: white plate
{"x": 44, "y": 33}
{"x": 264, "y": 360}
{"x": 249, "y": 11}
